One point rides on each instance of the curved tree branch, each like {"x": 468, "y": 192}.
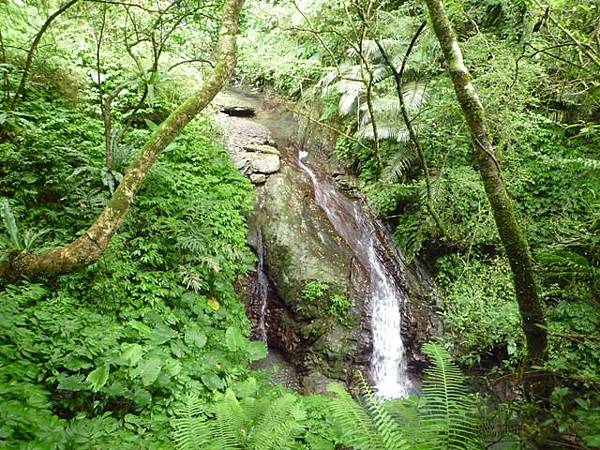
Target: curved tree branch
{"x": 90, "y": 246}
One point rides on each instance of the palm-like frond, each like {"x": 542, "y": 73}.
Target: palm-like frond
{"x": 398, "y": 164}
{"x": 386, "y": 130}
{"x": 449, "y": 416}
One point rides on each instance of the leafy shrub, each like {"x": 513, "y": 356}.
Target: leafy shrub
{"x": 480, "y": 309}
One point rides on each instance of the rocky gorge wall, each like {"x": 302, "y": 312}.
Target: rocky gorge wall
{"x": 308, "y": 296}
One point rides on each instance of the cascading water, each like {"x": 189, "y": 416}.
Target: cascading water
{"x": 388, "y": 362}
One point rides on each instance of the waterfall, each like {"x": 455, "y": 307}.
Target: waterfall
{"x": 388, "y": 361}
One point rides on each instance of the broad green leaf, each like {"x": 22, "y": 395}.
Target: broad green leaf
{"x": 246, "y": 388}
{"x": 148, "y": 370}
{"x": 160, "y": 334}
{"x": 234, "y": 338}
{"x": 212, "y": 382}
{"x": 256, "y": 350}
{"x": 116, "y": 389}
{"x": 178, "y": 348}
{"x": 193, "y": 336}
{"x": 141, "y": 327}
{"x": 132, "y": 353}
{"x": 172, "y": 367}
{"x": 98, "y": 377}
{"x": 72, "y": 383}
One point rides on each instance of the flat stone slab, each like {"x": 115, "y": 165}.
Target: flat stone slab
{"x": 261, "y": 148}
{"x": 265, "y": 163}
{"x": 239, "y": 111}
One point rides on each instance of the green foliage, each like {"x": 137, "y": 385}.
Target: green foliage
{"x": 253, "y": 424}
{"x": 444, "y": 418}
{"x": 480, "y": 309}
{"x": 449, "y": 412}
{"x": 97, "y": 359}
{"x": 314, "y": 290}
{"x": 321, "y": 299}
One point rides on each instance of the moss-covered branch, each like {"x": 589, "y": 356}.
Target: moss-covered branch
{"x": 90, "y": 246}
{"x": 510, "y": 232}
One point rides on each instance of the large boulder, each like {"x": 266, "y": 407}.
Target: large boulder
{"x": 301, "y": 249}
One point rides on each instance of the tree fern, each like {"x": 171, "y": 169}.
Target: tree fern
{"x": 448, "y": 414}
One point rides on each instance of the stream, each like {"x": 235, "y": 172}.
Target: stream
{"x": 385, "y": 295}
{"x": 388, "y": 360}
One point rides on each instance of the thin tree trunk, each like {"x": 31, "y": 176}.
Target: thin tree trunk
{"x": 31, "y": 53}
{"x": 90, "y": 246}
{"x": 408, "y": 123}
{"x": 510, "y": 232}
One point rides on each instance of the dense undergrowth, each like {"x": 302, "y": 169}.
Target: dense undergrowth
{"x": 111, "y": 356}
{"x": 543, "y": 115}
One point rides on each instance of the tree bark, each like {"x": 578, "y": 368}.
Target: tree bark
{"x": 512, "y": 237}
{"x": 90, "y": 246}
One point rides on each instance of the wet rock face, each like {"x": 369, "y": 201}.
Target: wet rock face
{"x": 300, "y": 248}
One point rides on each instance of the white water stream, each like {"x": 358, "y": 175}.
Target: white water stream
{"x": 388, "y": 361}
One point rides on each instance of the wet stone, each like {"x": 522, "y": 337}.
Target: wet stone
{"x": 265, "y": 163}
{"x": 258, "y": 178}
{"x": 238, "y": 111}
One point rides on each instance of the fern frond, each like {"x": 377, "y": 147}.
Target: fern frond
{"x": 449, "y": 412}
{"x": 275, "y": 428}
{"x": 10, "y": 224}
{"x": 229, "y": 422}
{"x": 388, "y": 429}
{"x": 359, "y": 430}
{"x": 191, "y": 429}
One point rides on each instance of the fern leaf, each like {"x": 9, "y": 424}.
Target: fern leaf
{"x": 449, "y": 412}
{"x": 10, "y": 224}
{"x": 191, "y": 429}
{"x": 275, "y": 428}
{"x": 359, "y": 430}
{"x": 229, "y": 422}
{"x": 387, "y": 427}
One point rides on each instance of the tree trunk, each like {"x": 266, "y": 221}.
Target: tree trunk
{"x": 512, "y": 237}
{"x": 90, "y": 246}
